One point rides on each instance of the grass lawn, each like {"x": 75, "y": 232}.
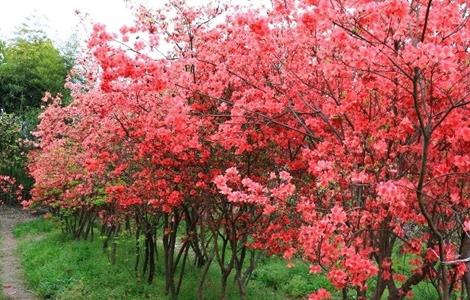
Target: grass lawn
{"x": 60, "y": 268}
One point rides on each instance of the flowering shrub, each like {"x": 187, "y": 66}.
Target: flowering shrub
{"x": 10, "y": 190}
{"x": 333, "y": 131}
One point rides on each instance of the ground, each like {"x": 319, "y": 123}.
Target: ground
{"x": 56, "y": 266}
{"x": 11, "y": 276}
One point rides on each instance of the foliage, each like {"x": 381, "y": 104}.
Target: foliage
{"x": 10, "y": 141}
{"x": 331, "y": 131}
{"x": 30, "y": 68}
{"x": 11, "y": 158}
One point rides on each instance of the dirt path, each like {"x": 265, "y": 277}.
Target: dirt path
{"x": 10, "y": 275}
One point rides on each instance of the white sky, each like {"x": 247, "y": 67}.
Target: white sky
{"x": 58, "y": 19}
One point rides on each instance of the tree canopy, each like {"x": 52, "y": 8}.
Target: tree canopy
{"x": 334, "y": 131}
{"x": 28, "y": 69}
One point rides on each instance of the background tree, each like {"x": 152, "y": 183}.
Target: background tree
{"x": 30, "y": 66}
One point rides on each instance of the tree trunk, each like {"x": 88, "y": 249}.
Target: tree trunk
{"x": 465, "y": 253}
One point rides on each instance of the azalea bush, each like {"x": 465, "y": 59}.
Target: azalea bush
{"x": 337, "y": 132}
{"x": 10, "y": 191}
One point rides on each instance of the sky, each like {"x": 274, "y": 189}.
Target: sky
{"x": 58, "y": 18}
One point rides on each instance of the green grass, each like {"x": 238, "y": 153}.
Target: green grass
{"x": 32, "y": 228}
{"x": 423, "y": 290}
{"x": 57, "y": 267}
{"x": 295, "y": 282}
{"x": 401, "y": 265}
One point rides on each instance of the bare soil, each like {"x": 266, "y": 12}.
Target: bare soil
{"x": 11, "y": 276}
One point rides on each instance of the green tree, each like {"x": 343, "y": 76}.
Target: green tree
{"x": 28, "y": 69}
{"x": 30, "y": 65}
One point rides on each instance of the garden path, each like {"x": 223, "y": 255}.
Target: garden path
{"x": 11, "y": 273}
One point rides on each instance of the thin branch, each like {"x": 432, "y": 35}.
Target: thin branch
{"x": 426, "y": 18}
